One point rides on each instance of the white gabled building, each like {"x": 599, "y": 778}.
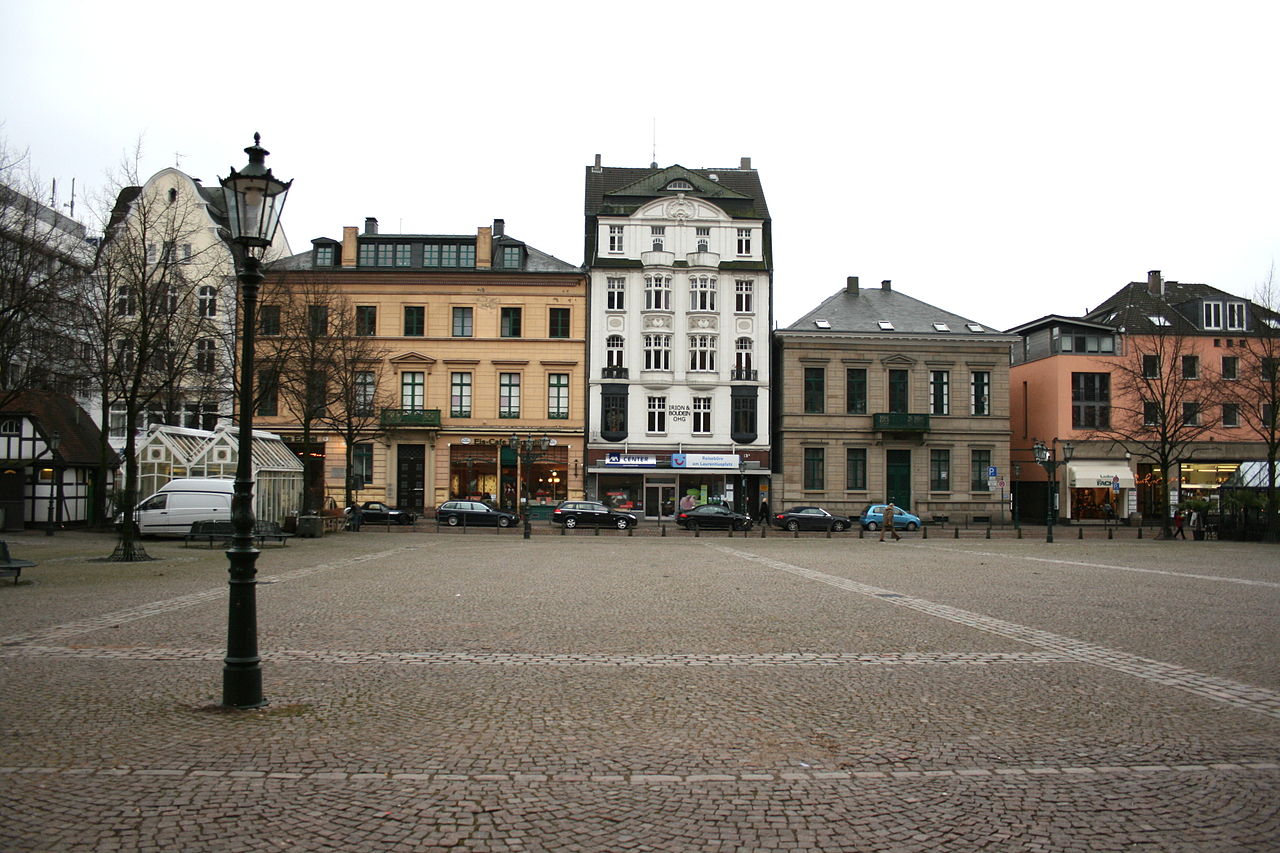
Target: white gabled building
{"x": 681, "y": 300}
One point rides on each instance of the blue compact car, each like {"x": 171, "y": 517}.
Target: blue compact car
{"x": 873, "y": 518}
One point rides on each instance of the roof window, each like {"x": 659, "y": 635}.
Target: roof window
{"x": 885, "y": 325}
{"x": 975, "y": 328}
{"x": 941, "y": 327}
{"x": 822, "y": 324}
{"x": 680, "y": 185}
{"x": 1159, "y": 320}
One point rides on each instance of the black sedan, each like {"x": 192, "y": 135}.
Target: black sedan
{"x": 376, "y": 512}
{"x": 472, "y": 513}
{"x": 592, "y": 513}
{"x": 810, "y": 518}
{"x": 710, "y": 516}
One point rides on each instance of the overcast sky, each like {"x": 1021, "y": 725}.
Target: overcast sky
{"x": 1000, "y": 160}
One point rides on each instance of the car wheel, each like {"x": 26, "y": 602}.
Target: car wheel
{"x": 911, "y": 525}
{"x": 793, "y": 525}
{"x": 452, "y": 521}
{"x": 504, "y": 522}
{"x": 838, "y": 527}
{"x": 623, "y": 524}
{"x": 571, "y": 522}
{"x": 873, "y": 526}
{"x": 404, "y": 519}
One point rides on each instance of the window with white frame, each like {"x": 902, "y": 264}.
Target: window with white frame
{"x": 657, "y": 292}
{"x": 558, "y": 395}
{"x": 613, "y": 351}
{"x": 206, "y": 357}
{"x": 702, "y": 293}
{"x": 742, "y": 352}
{"x": 616, "y": 294}
{"x": 744, "y": 296}
{"x": 939, "y": 392}
{"x": 1235, "y": 316}
{"x": 615, "y": 238}
{"x": 657, "y": 415}
{"x": 657, "y": 352}
{"x": 1213, "y": 315}
{"x": 701, "y": 415}
{"x": 413, "y": 389}
{"x": 702, "y": 352}
{"x": 207, "y": 302}
{"x": 365, "y": 387}
{"x": 744, "y": 241}
{"x": 460, "y": 395}
{"x": 508, "y": 395}
{"x": 703, "y": 236}
{"x": 117, "y": 419}
{"x": 658, "y": 233}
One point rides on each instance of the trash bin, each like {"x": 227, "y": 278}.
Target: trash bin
{"x": 310, "y": 526}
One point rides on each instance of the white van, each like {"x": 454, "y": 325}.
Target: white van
{"x": 170, "y": 511}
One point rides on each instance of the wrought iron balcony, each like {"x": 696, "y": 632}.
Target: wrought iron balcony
{"x": 613, "y": 373}
{"x": 411, "y": 417}
{"x": 743, "y": 374}
{"x": 900, "y": 422}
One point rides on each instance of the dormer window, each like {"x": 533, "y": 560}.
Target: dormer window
{"x": 1213, "y": 315}
{"x": 1235, "y": 316}
{"x": 680, "y": 185}
{"x": 511, "y": 257}
{"x": 324, "y": 256}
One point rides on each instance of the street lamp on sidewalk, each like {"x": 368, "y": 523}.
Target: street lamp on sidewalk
{"x": 1046, "y": 456}
{"x": 55, "y": 441}
{"x": 254, "y": 198}
{"x": 529, "y": 450}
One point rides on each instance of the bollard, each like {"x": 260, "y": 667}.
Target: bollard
{"x": 697, "y": 532}
{"x": 630, "y": 530}
{"x": 1081, "y": 533}
{"x": 597, "y": 530}
{"x": 956, "y": 530}
{"x": 988, "y": 531}
{"x": 1019, "y": 532}
{"x": 795, "y": 534}
{"x": 663, "y": 529}
{"x": 1111, "y": 534}
{"x": 924, "y": 532}
{"x": 730, "y": 531}
{"x": 563, "y": 528}
{"x": 764, "y": 530}
{"x": 828, "y": 531}
{"x": 1139, "y": 531}
{"x": 861, "y": 532}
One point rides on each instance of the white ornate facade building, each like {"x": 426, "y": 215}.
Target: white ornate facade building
{"x": 680, "y": 268}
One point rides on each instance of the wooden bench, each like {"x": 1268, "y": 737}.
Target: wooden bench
{"x": 10, "y": 567}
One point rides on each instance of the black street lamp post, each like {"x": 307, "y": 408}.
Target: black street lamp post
{"x": 254, "y": 199}
{"x": 55, "y": 441}
{"x": 529, "y": 450}
{"x": 1046, "y": 456}
{"x": 1017, "y": 475}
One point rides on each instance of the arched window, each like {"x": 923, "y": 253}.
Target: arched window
{"x": 613, "y": 351}
{"x": 208, "y": 301}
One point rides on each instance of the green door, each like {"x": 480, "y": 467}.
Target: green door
{"x": 897, "y": 477}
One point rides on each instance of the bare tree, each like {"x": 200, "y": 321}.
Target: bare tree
{"x": 1161, "y": 404}
{"x": 1256, "y": 391}
{"x": 159, "y": 273}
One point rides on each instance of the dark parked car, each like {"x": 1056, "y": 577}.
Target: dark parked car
{"x": 713, "y": 516}
{"x": 810, "y": 518}
{"x": 873, "y": 518}
{"x": 376, "y": 512}
{"x": 471, "y": 513}
{"x": 591, "y": 513}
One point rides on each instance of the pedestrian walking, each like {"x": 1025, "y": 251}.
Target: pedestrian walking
{"x": 886, "y": 516}
{"x": 357, "y": 516}
{"x": 764, "y": 511}
{"x": 1178, "y": 521}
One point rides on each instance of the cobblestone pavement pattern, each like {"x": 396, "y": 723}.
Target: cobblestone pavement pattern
{"x": 444, "y": 692}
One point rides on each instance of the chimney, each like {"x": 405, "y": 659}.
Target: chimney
{"x": 851, "y": 285}
{"x": 484, "y": 246}
{"x": 886, "y": 285}
{"x": 1154, "y": 286}
{"x": 349, "y": 246}
{"x": 499, "y": 227}
{"x": 596, "y": 167}
{"x": 746, "y": 163}
{"x": 370, "y": 225}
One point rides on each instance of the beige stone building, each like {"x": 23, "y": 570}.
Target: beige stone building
{"x": 476, "y": 338}
{"x": 881, "y": 396}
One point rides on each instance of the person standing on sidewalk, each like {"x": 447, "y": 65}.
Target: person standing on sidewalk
{"x": 887, "y": 515}
{"x": 357, "y": 516}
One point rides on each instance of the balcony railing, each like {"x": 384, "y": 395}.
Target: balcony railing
{"x": 613, "y": 373}
{"x": 743, "y": 374}
{"x": 411, "y": 417}
{"x": 900, "y": 422}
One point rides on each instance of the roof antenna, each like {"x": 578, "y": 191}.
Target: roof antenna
{"x": 653, "y": 164}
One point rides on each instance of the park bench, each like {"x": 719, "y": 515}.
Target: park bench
{"x": 264, "y": 530}
{"x": 941, "y": 519}
{"x": 10, "y": 567}
{"x": 209, "y": 531}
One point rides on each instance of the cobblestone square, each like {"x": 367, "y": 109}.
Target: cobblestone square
{"x": 434, "y": 690}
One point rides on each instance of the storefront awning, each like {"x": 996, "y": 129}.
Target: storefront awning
{"x": 1098, "y": 474}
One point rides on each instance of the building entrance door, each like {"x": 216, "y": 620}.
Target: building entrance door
{"x": 411, "y": 476}
{"x": 897, "y": 477}
{"x": 659, "y": 501}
